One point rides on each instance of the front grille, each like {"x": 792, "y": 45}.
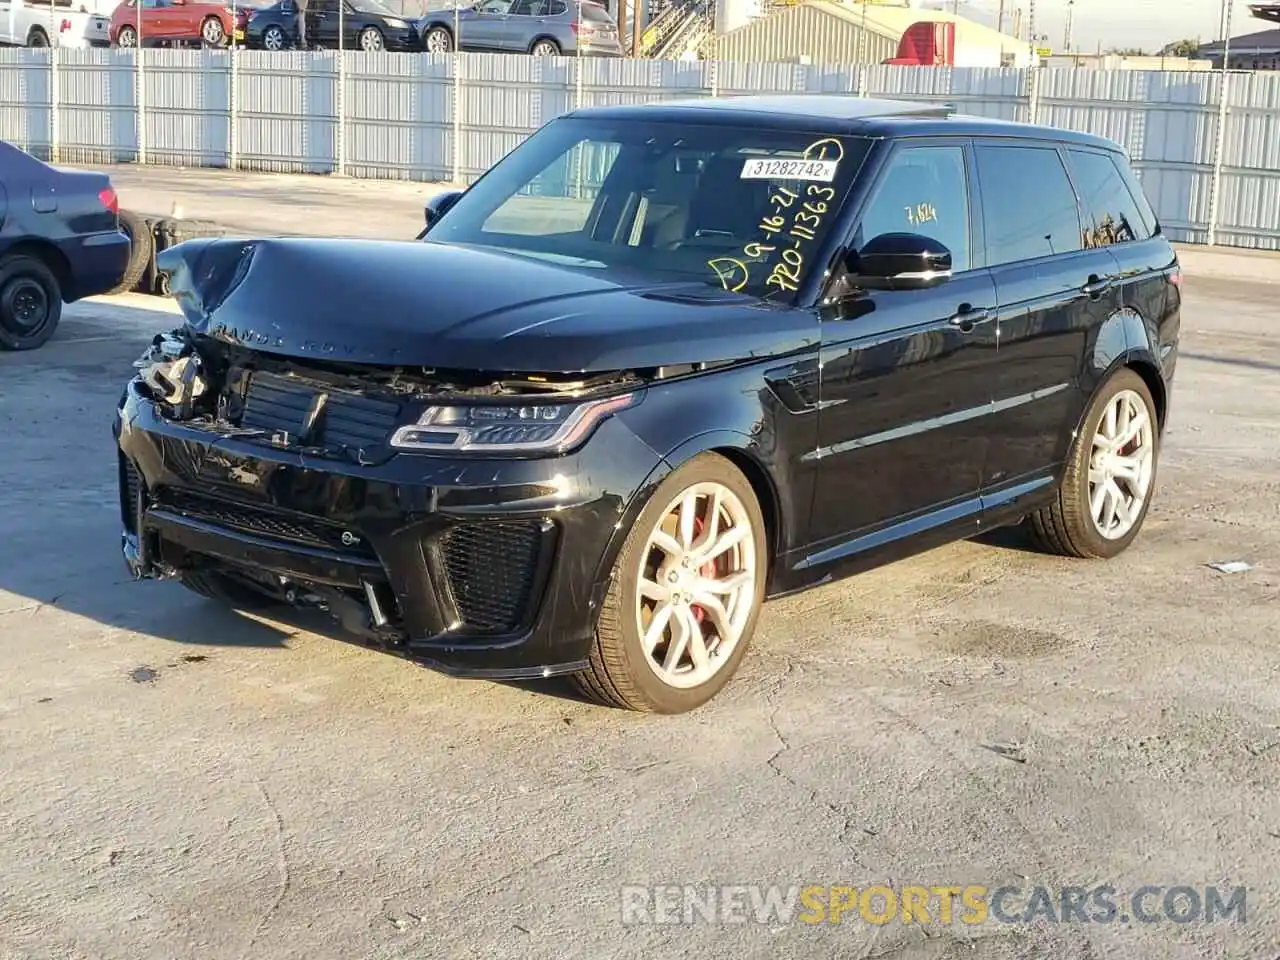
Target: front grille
{"x": 492, "y": 568}
{"x": 264, "y": 521}
{"x": 280, "y": 404}
{"x": 131, "y": 487}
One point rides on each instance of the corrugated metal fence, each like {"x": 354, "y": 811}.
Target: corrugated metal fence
{"x": 443, "y": 117}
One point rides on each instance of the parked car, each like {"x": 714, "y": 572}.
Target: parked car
{"x": 658, "y": 364}
{"x": 367, "y": 25}
{"x": 27, "y": 24}
{"x": 60, "y": 241}
{"x": 549, "y": 28}
{"x": 178, "y": 22}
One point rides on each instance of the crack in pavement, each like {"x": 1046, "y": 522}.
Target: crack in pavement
{"x": 282, "y": 862}
{"x": 784, "y": 745}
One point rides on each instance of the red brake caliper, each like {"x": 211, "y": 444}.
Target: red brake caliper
{"x": 708, "y": 569}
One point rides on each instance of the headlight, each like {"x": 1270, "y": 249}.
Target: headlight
{"x": 523, "y": 428}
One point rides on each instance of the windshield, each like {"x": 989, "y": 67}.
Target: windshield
{"x": 373, "y": 6}
{"x": 747, "y": 210}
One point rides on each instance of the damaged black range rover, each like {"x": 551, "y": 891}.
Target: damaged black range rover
{"x": 659, "y": 364}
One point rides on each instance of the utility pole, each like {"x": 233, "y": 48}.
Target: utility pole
{"x": 1000, "y": 19}
{"x": 621, "y": 17}
{"x": 1215, "y": 190}
{"x": 1071, "y": 15}
{"x": 1017, "y": 22}
{"x": 862, "y": 35}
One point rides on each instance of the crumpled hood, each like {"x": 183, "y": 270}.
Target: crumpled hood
{"x": 424, "y": 304}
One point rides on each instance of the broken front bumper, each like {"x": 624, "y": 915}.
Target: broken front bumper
{"x": 477, "y": 567}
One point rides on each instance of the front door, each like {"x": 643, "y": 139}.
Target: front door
{"x": 905, "y": 384}
{"x": 483, "y": 26}
{"x": 1052, "y": 292}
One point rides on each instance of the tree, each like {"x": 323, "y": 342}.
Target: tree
{"x": 1181, "y": 48}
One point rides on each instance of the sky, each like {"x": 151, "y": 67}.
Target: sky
{"x": 1145, "y": 24}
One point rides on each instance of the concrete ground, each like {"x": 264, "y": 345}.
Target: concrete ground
{"x": 180, "y": 781}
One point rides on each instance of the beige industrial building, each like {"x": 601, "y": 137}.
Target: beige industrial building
{"x": 823, "y": 32}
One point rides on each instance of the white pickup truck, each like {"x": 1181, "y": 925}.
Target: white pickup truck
{"x": 65, "y": 23}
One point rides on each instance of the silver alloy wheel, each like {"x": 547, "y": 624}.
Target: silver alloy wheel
{"x": 273, "y": 38}
{"x": 127, "y": 38}
{"x": 212, "y": 32}
{"x": 439, "y": 41}
{"x": 1121, "y": 465}
{"x": 545, "y": 48}
{"x": 370, "y": 39}
{"x": 696, "y": 587}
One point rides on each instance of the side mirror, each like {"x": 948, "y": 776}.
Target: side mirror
{"x": 437, "y": 207}
{"x": 900, "y": 261}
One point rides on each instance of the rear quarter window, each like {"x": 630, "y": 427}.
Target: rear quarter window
{"x": 1112, "y": 214}
{"x": 595, "y": 13}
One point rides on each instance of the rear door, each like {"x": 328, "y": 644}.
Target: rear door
{"x": 1052, "y": 292}
{"x": 906, "y": 378}
{"x": 1118, "y": 217}
{"x": 518, "y": 30}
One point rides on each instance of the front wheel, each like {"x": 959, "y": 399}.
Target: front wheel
{"x": 1110, "y": 475}
{"x": 438, "y": 40}
{"x": 127, "y": 38}
{"x": 38, "y": 38}
{"x": 273, "y": 38}
{"x": 371, "y": 40}
{"x": 684, "y": 595}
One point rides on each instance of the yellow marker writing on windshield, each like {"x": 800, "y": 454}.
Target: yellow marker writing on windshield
{"x": 732, "y": 273}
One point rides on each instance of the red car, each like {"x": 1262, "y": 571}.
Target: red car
{"x": 174, "y": 22}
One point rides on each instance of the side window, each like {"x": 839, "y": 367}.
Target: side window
{"x": 525, "y": 8}
{"x": 1028, "y": 206}
{"x": 560, "y": 198}
{"x": 554, "y": 8}
{"x": 1110, "y": 211}
{"x": 1139, "y": 195}
{"x": 924, "y": 191}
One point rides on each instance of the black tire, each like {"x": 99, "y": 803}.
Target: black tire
{"x": 142, "y": 247}
{"x": 30, "y": 302}
{"x": 212, "y": 25}
{"x": 37, "y": 38}
{"x": 1066, "y": 526}
{"x": 547, "y": 46}
{"x": 443, "y": 37}
{"x": 127, "y": 33}
{"x": 226, "y": 590}
{"x": 618, "y": 674}
{"x": 273, "y": 38}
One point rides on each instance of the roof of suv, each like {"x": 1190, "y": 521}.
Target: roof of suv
{"x": 836, "y": 113}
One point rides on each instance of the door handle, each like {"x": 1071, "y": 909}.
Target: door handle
{"x": 968, "y": 318}
{"x": 1096, "y": 286}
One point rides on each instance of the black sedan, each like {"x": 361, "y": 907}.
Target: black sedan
{"x": 658, "y": 364}
{"x": 366, "y": 25}
{"x": 60, "y": 241}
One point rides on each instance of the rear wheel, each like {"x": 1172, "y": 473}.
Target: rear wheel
{"x": 545, "y": 48}
{"x": 37, "y": 38}
{"x": 127, "y": 37}
{"x": 684, "y": 595}
{"x": 142, "y": 246}
{"x": 212, "y": 32}
{"x": 30, "y": 303}
{"x": 1110, "y": 475}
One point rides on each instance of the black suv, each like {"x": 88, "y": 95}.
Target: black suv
{"x": 658, "y": 364}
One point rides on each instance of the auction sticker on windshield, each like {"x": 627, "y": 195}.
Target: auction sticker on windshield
{"x": 773, "y": 168}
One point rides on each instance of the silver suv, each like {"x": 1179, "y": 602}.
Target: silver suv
{"x": 547, "y": 28}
